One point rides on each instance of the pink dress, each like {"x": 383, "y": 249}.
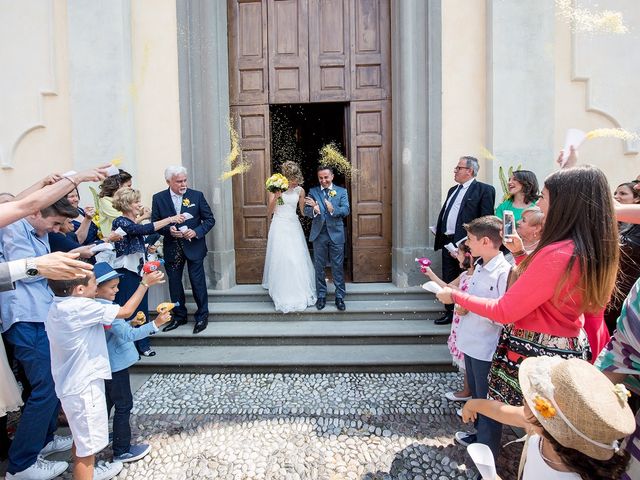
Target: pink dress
{"x": 457, "y": 355}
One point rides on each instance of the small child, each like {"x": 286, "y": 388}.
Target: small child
{"x": 478, "y": 336}
{"x": 122, "y": 354}
{"x": 573, "y": 415}
{"x": 465, "y": 260}
{"x": 80, "y": 365}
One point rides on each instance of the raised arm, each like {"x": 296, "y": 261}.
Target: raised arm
{"x": 132, "y": 304}
{"x": 42, "y": 198}
{"x": 498, "y": 411}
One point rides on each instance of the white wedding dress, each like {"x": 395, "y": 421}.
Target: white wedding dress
{"x": 288, "y": 270}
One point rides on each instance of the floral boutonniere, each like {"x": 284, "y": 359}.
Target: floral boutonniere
{"x": 187, "y": 203}
{"x": 332, "y": 193}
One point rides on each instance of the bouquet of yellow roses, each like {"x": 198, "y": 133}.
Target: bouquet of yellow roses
{"x": 277, "y": 183}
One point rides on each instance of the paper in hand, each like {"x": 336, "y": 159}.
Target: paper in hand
{"x": 483, "y": 458}
{"x": 432, "y": 287}
{"x": 69, "y": 173}
{"x": 187, "y": 215}
{"x": 112, "y": 171}
{"x": 451, "y": 247}
{"x": 101, "y": 247}
{"x": 183, "y": 228}
{"x": 574, "y": 139}
{"x": 120, "y": 232}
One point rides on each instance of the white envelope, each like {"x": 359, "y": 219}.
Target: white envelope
{"x": 69, "y": 173}
{"x": 187, "y": 216}
{"x": 451, "y": 247}
{"x": 101, "y": 247}
{"x": 112, "y": 170}
{"x": 432, "y": 287}
{"x": 574, "y": 138}
{"x": 183, "y": 228}
{"x": 120, "y": 232}
{"x": 483, "y": 458}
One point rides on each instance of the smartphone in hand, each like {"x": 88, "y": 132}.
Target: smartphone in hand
{"x": 508, "y": 225}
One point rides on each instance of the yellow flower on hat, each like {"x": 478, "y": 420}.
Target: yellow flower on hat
{"x": 544, "y": 407}
{"x": 186, "y": 202}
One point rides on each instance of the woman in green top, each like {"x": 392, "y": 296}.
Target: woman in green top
{"x": 523, "y": 193}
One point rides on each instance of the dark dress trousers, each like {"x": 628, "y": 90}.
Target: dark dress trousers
{"x": 478, "y": 201}
{"x": 178, "y": 251}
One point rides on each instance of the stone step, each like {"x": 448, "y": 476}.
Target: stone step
{"x": 356, "y": 310}
{"x": 355, "y": 291}
{"x": 298, "y": 358}
{"x": 316, "y": 332}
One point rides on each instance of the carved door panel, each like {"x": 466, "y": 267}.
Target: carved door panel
{"x": 288, "y": 25}
{"x": 371, "y": 46}
{"x": 371, "y": 190}
{"x": 249, "y": 195}
{"x": 248, "y": 76}
{"x": 329, "y": 50}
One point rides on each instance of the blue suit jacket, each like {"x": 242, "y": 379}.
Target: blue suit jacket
{"x": 194, "y": 203}
{"x": 334, "y": 223}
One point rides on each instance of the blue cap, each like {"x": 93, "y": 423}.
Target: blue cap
{"x": 103, "y": 272}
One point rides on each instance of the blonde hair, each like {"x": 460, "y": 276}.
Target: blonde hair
{"x": 124, "y": 198}
{"x": 292, "y": 171}
{"x": 536, "y": 215}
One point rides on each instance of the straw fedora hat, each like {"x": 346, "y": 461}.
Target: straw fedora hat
{"x": 577, "y": 404}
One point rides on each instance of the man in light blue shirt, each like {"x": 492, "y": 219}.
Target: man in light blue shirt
{"x": 23, "y": 312}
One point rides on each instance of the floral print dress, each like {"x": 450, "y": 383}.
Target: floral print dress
{"x": 457, "y": 355}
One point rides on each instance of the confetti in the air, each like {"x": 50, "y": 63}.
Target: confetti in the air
{"x": 485, "y": 153}
{"x": 591, "y": 21}
{"x": 332, "y": 157}
{"x": 234, "y": 161}
{"x": 116, "y": 161}
{"x": 619, "y": 133}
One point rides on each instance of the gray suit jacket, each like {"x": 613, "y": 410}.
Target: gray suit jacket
{"x": 5, "y": 278}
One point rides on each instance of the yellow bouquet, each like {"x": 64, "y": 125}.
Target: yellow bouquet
{"x": 277, "y": 183}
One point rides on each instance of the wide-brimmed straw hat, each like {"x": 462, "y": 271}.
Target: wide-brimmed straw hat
{"x": 576, "y": 404}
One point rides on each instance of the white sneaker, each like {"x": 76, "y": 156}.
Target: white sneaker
{"x": 451, "y": 396}
{"x": 58, "y": 444}
{"x": 106, "y": 470}
{"x": 41, "y": 470}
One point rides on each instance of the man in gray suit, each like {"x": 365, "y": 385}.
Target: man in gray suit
{"x": 328, "y": 205}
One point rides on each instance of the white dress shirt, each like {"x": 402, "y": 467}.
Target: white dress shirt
{"x": 478, "y": 336}
{"x": 177, "y": 201}
{"x": 455, "y": 208}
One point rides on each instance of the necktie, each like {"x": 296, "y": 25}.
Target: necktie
{"x": 448, "y": 209}
{"x": 177, "y": 201}
{"x": 326, "y": 193}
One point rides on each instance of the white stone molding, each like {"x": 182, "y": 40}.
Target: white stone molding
{"x": 27, "y": 58}
{"x": 609, "y": 66}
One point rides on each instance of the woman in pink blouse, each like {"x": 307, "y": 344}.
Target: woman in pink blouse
{"x": 571, "y": 272}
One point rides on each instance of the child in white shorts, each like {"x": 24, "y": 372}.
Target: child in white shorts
{"x": 80, "y": 364}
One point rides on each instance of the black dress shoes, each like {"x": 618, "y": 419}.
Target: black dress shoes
{"x": 446, "y": 319}
{"x": 200, "y": 326}
{"x": 340, "y": 304}
{"x": 173, "y": 324}
{"x": 320, "y": 303}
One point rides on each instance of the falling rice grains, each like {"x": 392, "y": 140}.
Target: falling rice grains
{"x": 619, "y": 133}
{"x": 588, "y": 21}
{"x": 331, "y": 156}
{"x": 234, "y": 161}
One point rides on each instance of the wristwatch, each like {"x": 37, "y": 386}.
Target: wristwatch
{"x": 31, "y": 269}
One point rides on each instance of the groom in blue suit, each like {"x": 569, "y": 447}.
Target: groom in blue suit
{"x": 184, "y": 245}
{"x": 328, "y": 205}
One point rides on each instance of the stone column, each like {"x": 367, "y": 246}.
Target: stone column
{"x": 100, "y": 78}
{"x": 204, "y": 111}
{"x": 520, "y": 86}
{"x": 417, "y": 123}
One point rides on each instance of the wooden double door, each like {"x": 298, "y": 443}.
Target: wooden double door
{"x": 309, "y": 51}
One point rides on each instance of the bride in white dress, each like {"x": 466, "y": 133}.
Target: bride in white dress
{"x": 288, "y": 270}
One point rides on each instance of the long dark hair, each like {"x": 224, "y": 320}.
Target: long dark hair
{"x": 110, "y": 185}
{"x": 581, "y": 210}
{"x": 529, "y": 183}
{"x": 589, "y": 468}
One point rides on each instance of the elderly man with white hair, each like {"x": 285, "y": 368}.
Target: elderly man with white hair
{"x": 185, "y": 244}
